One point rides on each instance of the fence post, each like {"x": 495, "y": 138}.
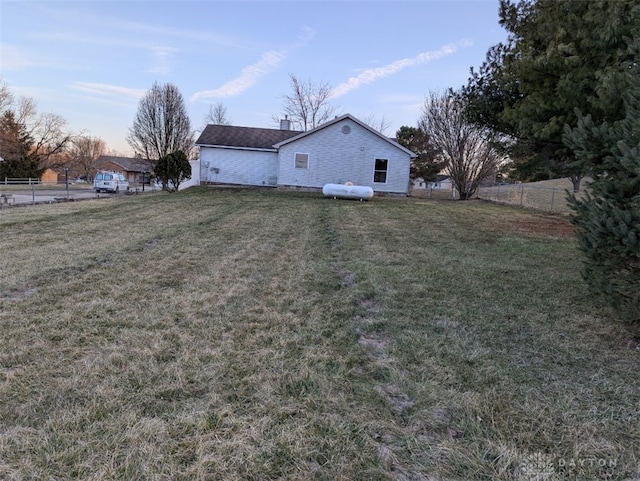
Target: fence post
{"x": 33, "y": 192}
{"x": 553, "y": 194}
{"x": 521, "y": 194}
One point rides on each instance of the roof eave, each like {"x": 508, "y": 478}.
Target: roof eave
{"x": 232, "y": 147}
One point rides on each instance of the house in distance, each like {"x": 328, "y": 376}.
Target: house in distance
{"x": 135, "y": 169}
{"x": 339, "y": 151}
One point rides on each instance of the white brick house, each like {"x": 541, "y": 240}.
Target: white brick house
{"x": 341, "y": 150}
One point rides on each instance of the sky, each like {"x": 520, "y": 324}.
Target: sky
{"x": 91, "y": 61}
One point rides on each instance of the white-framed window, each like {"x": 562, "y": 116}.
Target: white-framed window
{"x": 380, "y": 171}
{"x": 301, "y": 161}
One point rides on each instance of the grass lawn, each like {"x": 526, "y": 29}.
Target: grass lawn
{"x": 257, "y": 334}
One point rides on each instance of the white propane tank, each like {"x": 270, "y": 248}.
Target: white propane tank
{"x": 347, "y": 191}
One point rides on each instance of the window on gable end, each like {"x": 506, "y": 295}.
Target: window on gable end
{"x": 380, "y": 171}
{"x": 302, "y": 161}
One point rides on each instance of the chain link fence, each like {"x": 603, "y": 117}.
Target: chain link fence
{"x": 32, "y": 191}
{"x": 15, "y": 191}
{"x": 549, "y": 199}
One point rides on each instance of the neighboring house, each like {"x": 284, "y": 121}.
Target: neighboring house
{"x": 132, "y": 168}
{"x": 339, "y": 151}
{"x": 441, "y": 182}
{"x": 418, "y": 184}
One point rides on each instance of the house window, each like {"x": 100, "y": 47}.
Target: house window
{"x": 302, "y": 161}
{"x": 380, "y": 171}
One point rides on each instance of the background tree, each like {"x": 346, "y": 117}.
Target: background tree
{"x": 308, "y": 105}
{"x": 217, "y": 115}
{"x": 83, "y": 152}
{"x": 16, "y": 150}
{"x": 560, "y": 55}
{"x": 6, "y": 97}
{"x": 51, "y": 139}
{"x": 47, "y": 134}
{"x": 608, "y": 217}
{"x": 172, "y": 170}
{"x": 381, "y": 125}
{"x": 468, "y": 155}
{"x": 428, "y": 162}
{"x": 161, "y": 125}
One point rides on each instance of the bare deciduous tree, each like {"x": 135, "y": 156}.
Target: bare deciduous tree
{"x": 83, "y": 152}
{"x": 382, "y": 125}
{"x": 464, "y": 147}
{"x": 6, "y": 97}
{"x": 217, "y": 115}
{"x": 48, "y": 131}
{"x": 51, "y": 139}
{"x": 307, "y": 106}
{"x": 161, "y": 125}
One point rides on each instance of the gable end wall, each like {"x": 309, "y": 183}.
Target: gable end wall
{"x": 337, "y": 158}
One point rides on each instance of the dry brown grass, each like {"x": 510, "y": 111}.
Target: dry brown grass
{"x": 236, "y": 334}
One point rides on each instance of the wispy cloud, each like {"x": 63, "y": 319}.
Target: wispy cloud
{"x": 166, "y": 31}
{"x": 12, "y": 59}
{"x": 100, "y": 23}
{"x": 371, "y": 75}
{"x": 307, "y": 34}
{"x": 108, "y": 90}
{"x": 250, "y": 75}
{"x": 163, "y": 60}
{"x": 15, "y": 59}
{"x": 162, "y": 57}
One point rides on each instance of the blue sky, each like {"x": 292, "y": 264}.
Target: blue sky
{"x": 91, "y": 61}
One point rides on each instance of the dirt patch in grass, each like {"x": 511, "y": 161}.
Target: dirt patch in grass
{"x": 542, "y": 225}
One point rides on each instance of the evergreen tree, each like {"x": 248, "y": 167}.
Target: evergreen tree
{"x": 561, "y": 55}
{"x": 172, "y": 170}
{"x": 17, "y": 150}
{"x": 608, "y": 219}
{"x": 428, "y": 162}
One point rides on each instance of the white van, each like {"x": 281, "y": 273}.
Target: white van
{"x": 110, "y": 182}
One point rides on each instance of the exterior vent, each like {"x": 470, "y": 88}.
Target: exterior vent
{"x": 285, "y": 124}
{"x": 346, "y": 129}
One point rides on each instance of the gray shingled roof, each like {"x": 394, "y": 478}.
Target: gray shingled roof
{"x": 247, "y": 137}
{"x": 128, "y": 164}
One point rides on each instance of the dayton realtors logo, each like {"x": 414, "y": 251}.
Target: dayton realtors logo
{"x": 546, "y": 467}
{"x": 537, "y": 467}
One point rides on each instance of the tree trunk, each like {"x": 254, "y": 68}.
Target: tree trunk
{"x": 575, "y": 180}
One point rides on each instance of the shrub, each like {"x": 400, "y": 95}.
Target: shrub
{"x": 172, "y": 170}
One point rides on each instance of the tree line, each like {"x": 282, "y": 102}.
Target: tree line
{"x": 31, "y": 141}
